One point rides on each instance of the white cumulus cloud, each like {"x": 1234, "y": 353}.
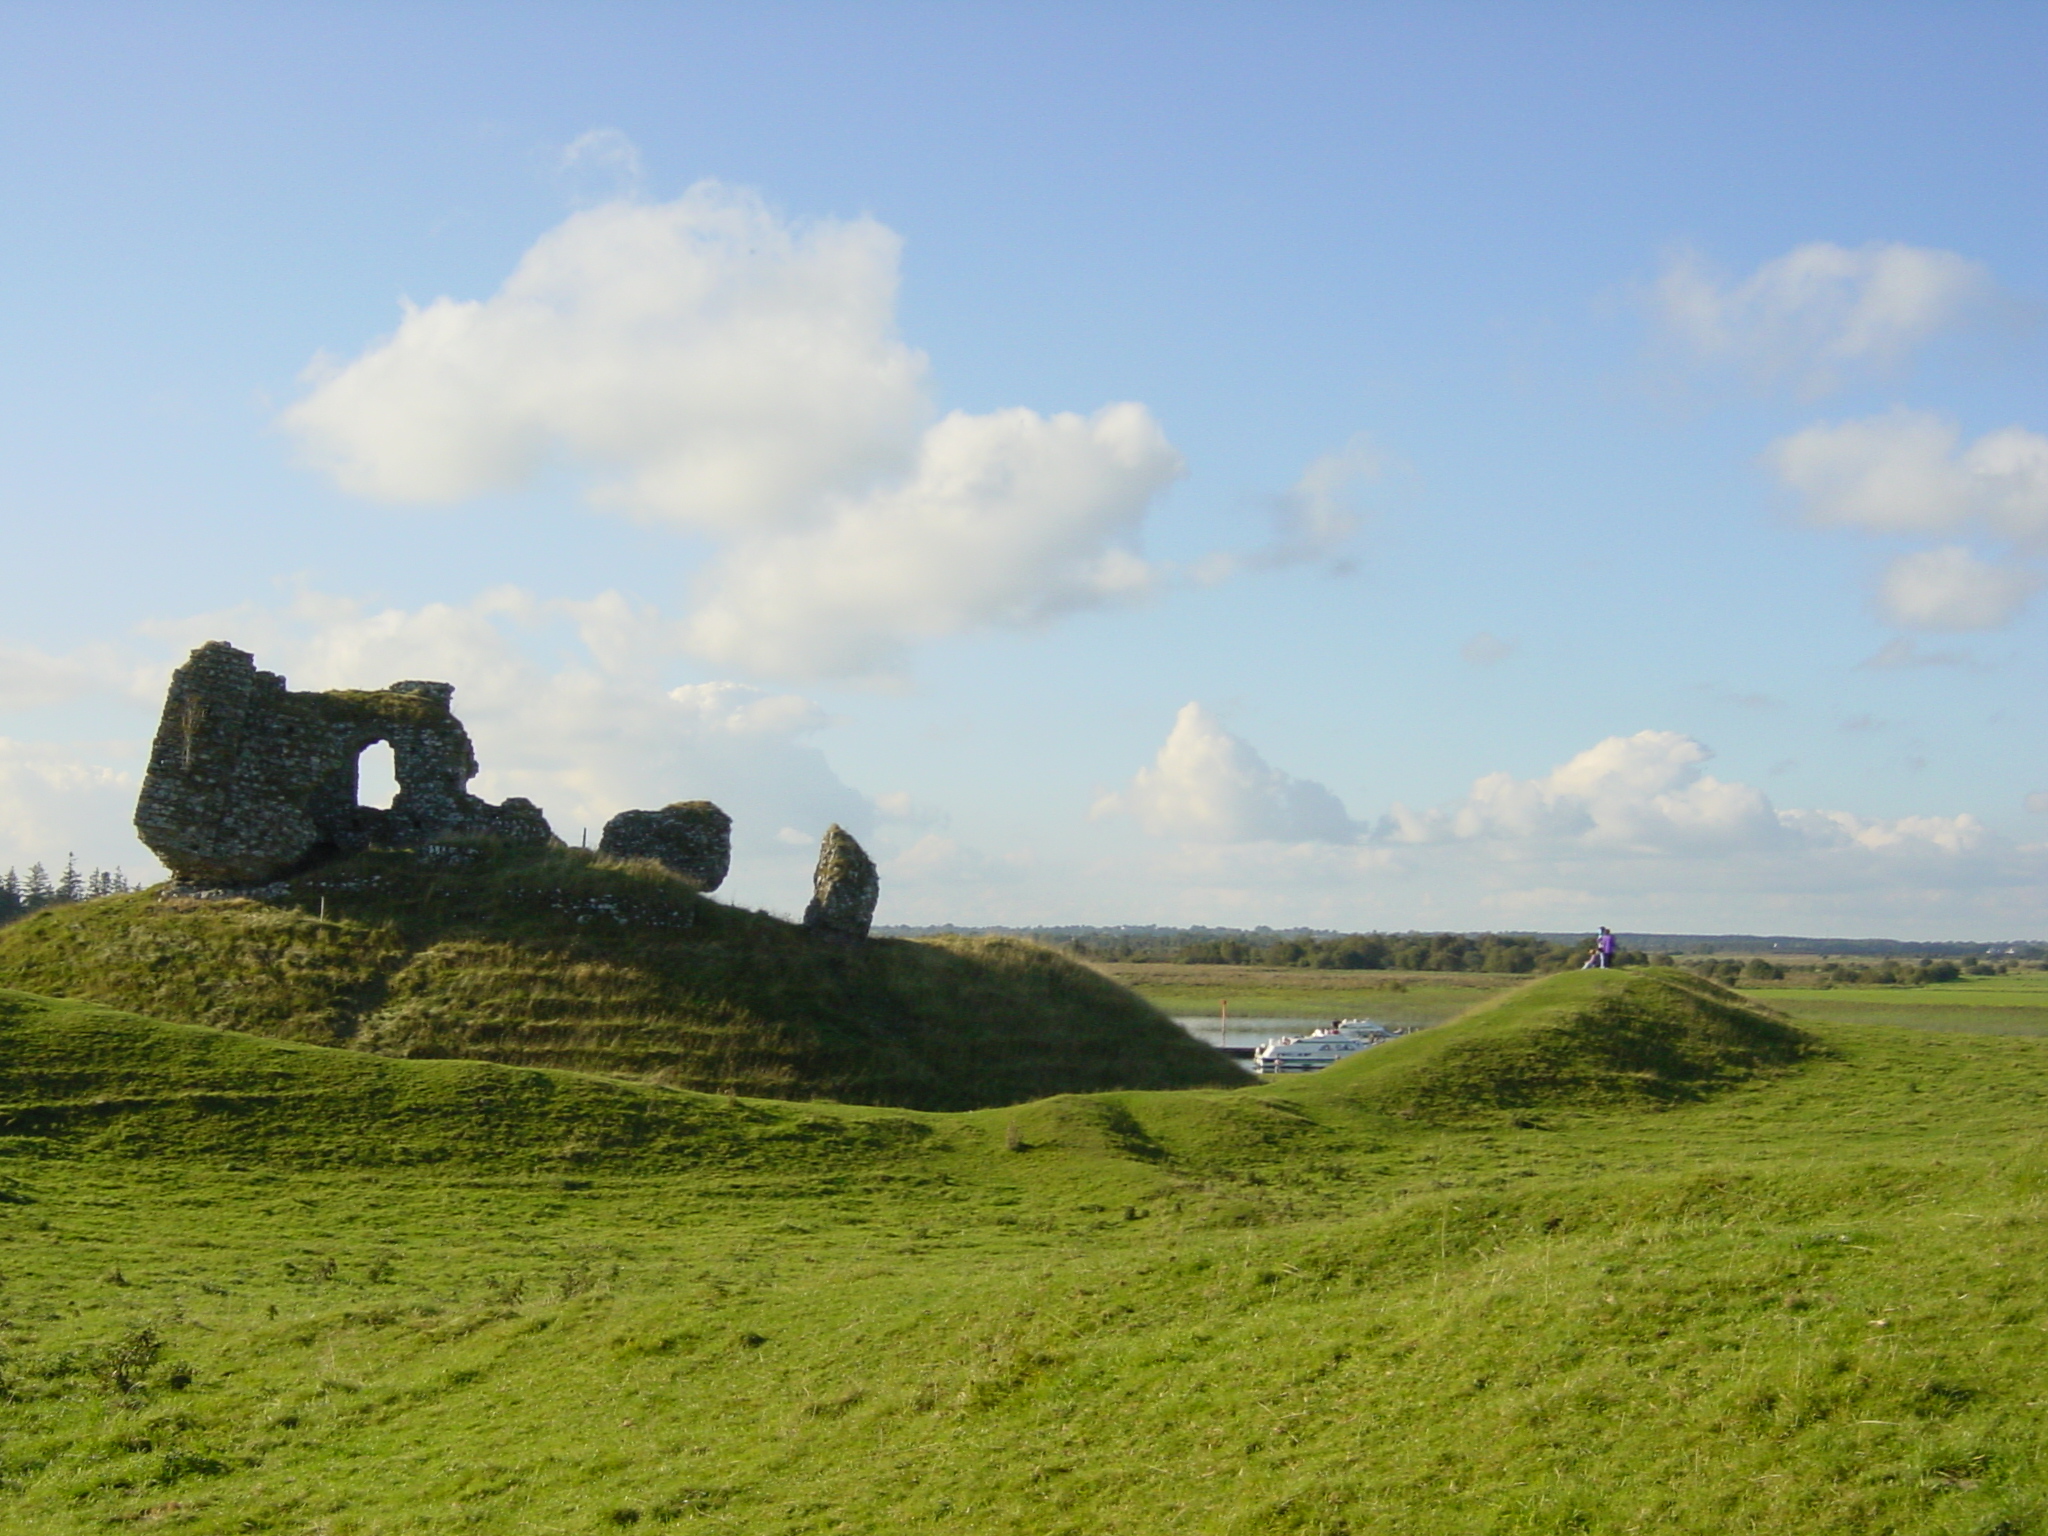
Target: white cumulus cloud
{"x": 1821, "y": 311}
{"x": 1208, "y": 785}
{"x": 707, "y": 363}
{"x": 1951, "y": 589}
{"x": 1909, "y": 836}
{"x": 1907, "y": 472}
{"x": 1009, "y": 518}
{"x": 711, "y": 367}
{"x": 1645, "y": 792}
{"x": 1648, "y": 796}
{"x": 1633, "y": 832}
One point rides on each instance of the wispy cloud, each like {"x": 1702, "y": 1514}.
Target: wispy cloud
{"x": 1902, "y": 652}
{"x": 1486, "y": 650}
{"x": 1318, "y": 516}
{"x": 1821, "y": 313}
{"x": 1315, "y": 521}
{"x": 604, "y": 159}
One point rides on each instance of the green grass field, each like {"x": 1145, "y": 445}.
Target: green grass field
{"x": 1616, "y": 1253}
{"x": 2008, "y": 1005}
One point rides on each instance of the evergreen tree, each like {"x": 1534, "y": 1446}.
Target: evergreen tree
{"x": 10, "y": 897}
{"x": 37, "y": 892}
{"x": 70, "y": 886}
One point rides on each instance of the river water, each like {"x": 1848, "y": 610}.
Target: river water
{"x": 1246, "y": 1032}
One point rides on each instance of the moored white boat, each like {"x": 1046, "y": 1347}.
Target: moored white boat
{"x": 1319, "y": 1048}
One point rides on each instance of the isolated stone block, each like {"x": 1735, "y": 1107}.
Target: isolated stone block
{"x": 691, "y": 837}
{"x": 845, "y": 887}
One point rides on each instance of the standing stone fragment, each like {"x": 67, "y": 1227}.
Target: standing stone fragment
{"x": 249, "y": 782}
{"x": 691, "y": 837}
{"x": 845, "y": 888}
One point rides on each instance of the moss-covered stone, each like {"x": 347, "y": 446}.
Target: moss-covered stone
{"x": 845, "y": 887}
{"x": 692, "y": 838}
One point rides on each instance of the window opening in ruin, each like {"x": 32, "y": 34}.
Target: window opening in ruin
{"x": 376, "y": 776}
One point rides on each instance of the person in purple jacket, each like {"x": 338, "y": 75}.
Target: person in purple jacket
{"x": 1603, "y": 951}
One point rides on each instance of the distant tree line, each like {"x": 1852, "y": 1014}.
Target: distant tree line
{"x": 1509, "y": 954}
{"x": 1835, "y": 973}
{"x": 21, "y": 895}
{"x": 1727, "y": 971}
{"x": 1131, "y": 942}
{"x": 1892, "y": 973}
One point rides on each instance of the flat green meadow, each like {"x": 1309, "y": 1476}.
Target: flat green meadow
{"x": 1542, "y": 1270}
{"x": 2015, "y": 1004}
{"x": 1289, "y": 992}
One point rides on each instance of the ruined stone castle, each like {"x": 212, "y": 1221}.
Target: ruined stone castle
{"x": 250, "y": 783}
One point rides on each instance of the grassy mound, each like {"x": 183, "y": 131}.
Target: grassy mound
{"x": 560, "y": 959}
{"x": 1581, "y": 1038}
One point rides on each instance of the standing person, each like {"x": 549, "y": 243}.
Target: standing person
{"x": 1603, "y": 951}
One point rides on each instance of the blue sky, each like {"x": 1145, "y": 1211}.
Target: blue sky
{"x": 1466, "y": 466}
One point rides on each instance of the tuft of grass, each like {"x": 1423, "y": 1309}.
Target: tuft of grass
{"x": 561, "y": 958}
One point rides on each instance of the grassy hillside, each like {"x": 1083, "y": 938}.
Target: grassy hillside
{"x": 80, "y": 1080}
{"x": 557, "y": 958}
{"x": 1791, "y": 1290}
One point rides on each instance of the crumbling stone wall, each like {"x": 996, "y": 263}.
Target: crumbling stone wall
{"x": 845, "y": 887}
{"x": 249, "y": 782}
{"x": 691, "y": 837}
